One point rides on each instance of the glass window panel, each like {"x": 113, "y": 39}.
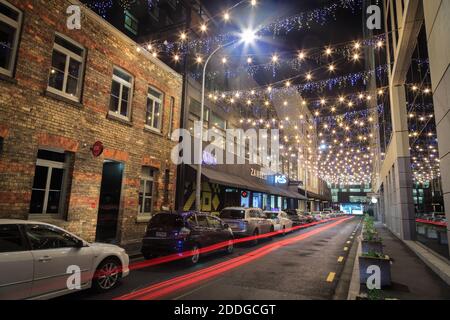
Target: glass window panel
{"x": 122, "y": 75}
{"x": 37, "y": 201}
{"x": 72, "y": 86}
{"x": 148, "y": 205}
{"x": 7, "y": 35}
{"x": 69, "y": 46}
{"x": 115, "y": 89}
{"x": 125, "y": 93}
{"x": 56, "y": 79}
{"x": 11, "y": 239}
{"x": 157, "y": 116}
{"x": 53, "y": 202}
{"x": 124, "y": 108}
{"x": 56, "y": 179}
{"x": 155, "y": 93}
{"x": 149, "y": 113}
{"x": 149, "y": 188}
{"x": 9, "y": 12}
{"x": 114, "y": 104}
{"x": 40, "y": 177}
{"x": 44, "y": 237}
{"x": 52, "y": 156}
{"x": 74, "y": 68}
{"x": 140, "y": 202}
{"x": 59, "y": 61}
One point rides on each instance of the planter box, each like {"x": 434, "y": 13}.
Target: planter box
{"x": 371, "y": 246}
{"x": 383, "y": 263}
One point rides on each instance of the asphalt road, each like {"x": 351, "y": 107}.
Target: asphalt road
{"x": 306, "y": 264}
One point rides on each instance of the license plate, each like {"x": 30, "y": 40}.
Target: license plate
{"x": 161, "y": 234}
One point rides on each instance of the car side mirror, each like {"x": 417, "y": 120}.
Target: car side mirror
{"x": 79, "y": 244}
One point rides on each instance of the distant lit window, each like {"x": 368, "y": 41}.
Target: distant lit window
{"x": 131, "y": 23}
{"x": 154, "y": 109}
{"x": 10, "y": 22}
{"x": 121, "y": 90}
{"x": 67, "y": 68}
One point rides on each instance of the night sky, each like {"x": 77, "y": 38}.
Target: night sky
{"x": 346, "y": 27}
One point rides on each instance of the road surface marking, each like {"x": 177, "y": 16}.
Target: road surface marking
{"x": 331, "y": 277}
{"x": 346, "y": 249}
{"x": 351, "y": 237}
{"x": 340, "y": 259}
{"x": 348, "y": 242}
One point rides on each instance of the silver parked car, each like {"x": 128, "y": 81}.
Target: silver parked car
{"x": 245, "y": 222}
{"x": 280, "y": 220}
{"x": 41, "y": 261}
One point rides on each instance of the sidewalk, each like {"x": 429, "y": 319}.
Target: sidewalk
{"x": 411, "y": 278}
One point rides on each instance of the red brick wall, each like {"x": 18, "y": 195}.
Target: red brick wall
{"x": 29, "y": 119}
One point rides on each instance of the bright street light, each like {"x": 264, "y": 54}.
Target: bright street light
{"x": 248, "y": 36}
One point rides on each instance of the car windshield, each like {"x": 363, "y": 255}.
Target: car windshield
{"x": 232, "y": 214}
{"x": 166, "y": 220}
{"x": 271, "y": 215}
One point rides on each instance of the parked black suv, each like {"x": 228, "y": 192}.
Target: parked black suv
{"x": 169, "y": 233}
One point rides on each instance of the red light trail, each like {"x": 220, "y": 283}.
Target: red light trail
{"x": 164, "y": 288}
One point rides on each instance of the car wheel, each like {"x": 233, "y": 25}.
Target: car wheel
{"x": 107, "y": 275}
{"x": 255, "y": 234}
{"x": 230, "y": 247}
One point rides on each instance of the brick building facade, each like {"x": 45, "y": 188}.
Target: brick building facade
{"x": 63, "y": 90}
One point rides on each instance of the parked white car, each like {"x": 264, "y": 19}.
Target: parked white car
{"x": 280, "y": 220}
{"x": 42, "y": 261}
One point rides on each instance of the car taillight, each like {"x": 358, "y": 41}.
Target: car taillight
{"x": 184, "y": 233}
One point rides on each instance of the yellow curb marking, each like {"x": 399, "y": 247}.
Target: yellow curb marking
{"x": 346, "y": 249}
{"x": 348, "y": 242}
{"x": 331, "y": 277}
{"x": 340, "y": 259}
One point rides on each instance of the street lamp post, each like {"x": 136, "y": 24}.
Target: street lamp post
{"x": 198, "y": 189}
{"x": 246, "y": 36}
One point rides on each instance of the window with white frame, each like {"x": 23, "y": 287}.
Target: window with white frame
{"x": 48, "y": 183}
{"x": 10, "y": 23}
{"x": 121, "y": 91}
{"x": 66, "y": 73}
{"x": 146, "y": 190}
{"x": 155, "y": 100}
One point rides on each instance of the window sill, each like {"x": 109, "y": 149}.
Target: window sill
{"x": 113, "y": 117}
{"x": 143, "y": 218}
{"x": 47, "y": 218}
{"x": 152, "y": 130}
{"x": 8, "y": 79}
{"x": 62, "y": 99}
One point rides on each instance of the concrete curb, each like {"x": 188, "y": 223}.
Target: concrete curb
{"x": 355, "y": 286}
{"x": 438, "y": 264}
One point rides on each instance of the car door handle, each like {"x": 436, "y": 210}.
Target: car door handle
{"x": 45, "y": 259}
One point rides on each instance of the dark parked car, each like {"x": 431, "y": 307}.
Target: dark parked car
{"x": 169, "y": 233}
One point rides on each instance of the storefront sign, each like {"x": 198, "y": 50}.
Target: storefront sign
{"x": 281, "y": 179}
{"x": 97, "y": 149}
{"x": 258, "y": 174}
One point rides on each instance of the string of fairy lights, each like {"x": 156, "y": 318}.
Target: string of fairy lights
{"x": 332, "y": 134}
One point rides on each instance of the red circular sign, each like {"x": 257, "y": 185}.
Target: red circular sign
{"x": 244, "y": 194}
{"x": 97, "y": 149}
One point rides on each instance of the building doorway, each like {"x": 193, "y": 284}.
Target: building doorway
{"x": 109, "y": 205}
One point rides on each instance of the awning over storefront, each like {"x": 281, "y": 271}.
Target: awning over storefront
{"x": 231, "y": 180}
